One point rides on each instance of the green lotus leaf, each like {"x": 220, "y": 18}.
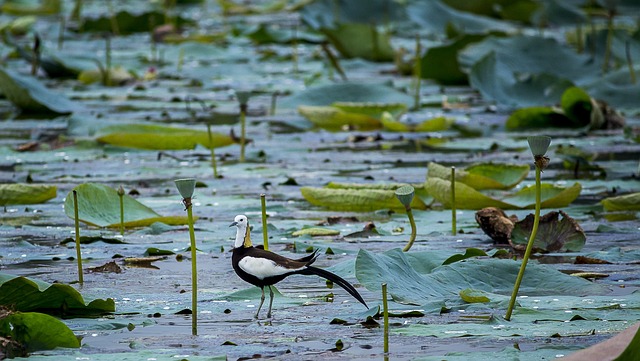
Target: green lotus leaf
{"x": 537, "y": 117}
{"x": 26, "y": 295}
{"x": 627, "y": 202}
{"x": 128, "y": 23}
{"x": 336, "y": 119}
{"x": 466, "y": 197}
{"x": 364, "y": 41}
{"x": 470, "y": 295}
{"x": 440, "y": 63}
{"x": 436, "y": 17}
{"x": 31, "y": 96}
{"x": 21, "y": 8}
{"x": 159, "y": 137}
{"x": 469, "y": 253}
{"x": 552, "y": 196}
{"x": 374, "y": 110}
{"x": 484, "y": 175}
{"x": 493, "y": 276}
{"x": 37, "y": 331}
{"x": 21, "y": 193}
{"x": 357, "y": 200}
{"x": 577, "y": 106}
{"x": 117, "y": 76}
{"x": 390, "y": 123}
{"x": 553, "y": 235}
{"x": 99, "y": 205}
{"x": 316, "y": 232}
{"x": 436, "y": 124}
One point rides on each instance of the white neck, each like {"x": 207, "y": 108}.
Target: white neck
{"x": 241, "y": 235}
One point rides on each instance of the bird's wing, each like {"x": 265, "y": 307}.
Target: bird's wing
{"x": 263, "y": 264}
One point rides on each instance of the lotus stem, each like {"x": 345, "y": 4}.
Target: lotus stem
{"x": 186, "y": 188}
{"x": 453, "y": 201}
{"x": 412, "y": 238}
{"x": 265, "y": 235}
{"x": 294, "y": 50}
{"x": 107, "y": 73}
{"x": 579, "y": 39}
{"x": 333, "y": 61}
{"x": 627, "y": 48}
{"x": 61, "y": 32}
{"x": 274, "y": 98}
{"x": 527, "y": 252}
{"x": 35, "y": 61}
{"x": 77, "y": 223}
{"x": 417, "y": 73}
{"x": 214, "y": 164}
{"x": 121, "y": 196}
{"x": 243, "y": 129}
{"x": 180, "y": 60}
{"x": 385, "y": 313}
{"x": 77, "y": 10}
{"x": 112, "y": 17}
{"x": 607, "y": 50}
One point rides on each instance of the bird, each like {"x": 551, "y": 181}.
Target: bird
{"x": 263, "y": 268}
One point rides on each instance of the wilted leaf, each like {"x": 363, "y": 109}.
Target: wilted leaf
{"x": 159, "y": 137}
{"x": 38, "y": 331}
{"x": 25, "y": 295}
{"x": 31, "y": 96}
{"x": 553, "y": 235}
{"x": 357, "y": 200}
{"x": 495, "y": 224}
{"x": 99, "y": 205}
{"x": 21, "y": 193}
{"x": 627, "y": 202}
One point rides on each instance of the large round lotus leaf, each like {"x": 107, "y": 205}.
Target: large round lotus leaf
{"x": 347, "y": 92}
{"x": 37, "y": 331}
{"x": 159, "y": 137}
{"x": 627, "y": 202}
{"x": 20, "y": 193}
{"x": 335, "y": 119}
{"x": 553, "y": 235}
{"x": 466, "y": 197}
{"x": 551, "y": 195}
{"x": 537, "y": 117}
{"x": 577, "y": 106}
{"x": 99, "y": 205}
{"x": 440, "y": 63}
{"x": 31, "y": 96}
{"x": 357, "y": 200}
{"x": 364, "y": 41}
{"x": 437, "y": 18}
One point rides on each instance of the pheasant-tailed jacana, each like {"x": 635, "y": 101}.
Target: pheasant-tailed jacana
{"x": 264, "y": 268}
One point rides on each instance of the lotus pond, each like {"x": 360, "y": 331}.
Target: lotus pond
{"x": 327, "y": 108}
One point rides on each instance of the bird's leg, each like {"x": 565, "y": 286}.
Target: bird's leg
{"x": 261, "y": 302}
{"x": 270, "y": 301}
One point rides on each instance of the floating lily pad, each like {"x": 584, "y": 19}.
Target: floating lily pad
{"x": 627, "y": 202}
{"x": 37, "y": 331}
{"x": 354, "y": 40}
{"x": 159, "y": 137}
{"x": 25, "y": 295}
{"x": 99, "y": 205}
{"x": 374, "y": 110}
{"x": 347, "y": 92}
{"x": 31, "y": 96}
{"x": 128, "y": 23}
{"x": 316, "y": 232}
{"x": 21, "y": 193}
{"x": 336, "y": 119}
{"x": 553, "y": 235}
{"x": 357, "y": 200}
{"x": 436, "y": 124}
{"x": 438, "y": 18}
{"x": 46, "y": 7}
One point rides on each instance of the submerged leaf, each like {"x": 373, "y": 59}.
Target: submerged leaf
{"x": 21, "y": 193}
{"x": 99, "y": 205}
{"x": 553, "y": 235}
{"x": 357, "y": 200}
{"x": 159, "y": 137}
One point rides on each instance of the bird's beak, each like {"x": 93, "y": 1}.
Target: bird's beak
{"x": 233, "y": 224}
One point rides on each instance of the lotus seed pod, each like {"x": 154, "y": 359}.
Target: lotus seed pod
{"x": 243, "y": 96}
{"x": 539, "y": 144}
{"x": 405, "y": 195}
{"x": 186, "y": 187}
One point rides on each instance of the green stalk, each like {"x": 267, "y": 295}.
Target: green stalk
{"x": 453, "y": 201}
{"x": 61, "y": 32}
{"x": 214, "y": 164}
{"x": 385, "y": 312}
{"x": 121, "y": 195}
{"x": 413, "y": 230}
{"x": 333, "y": 61}
{"x": 527, "y": 252}
{"x": 194, "y": 271}
{"x": 607, "y": 50}
{"x": 107, "y": 73}
{"x": 243, "y": 129}
{"x": 265, "y": 236}
{"x": 274, "y": 98}
{"x": 294, "y": 50}
{"x": 77, "y": 221}
{"x": 627, "y": 47}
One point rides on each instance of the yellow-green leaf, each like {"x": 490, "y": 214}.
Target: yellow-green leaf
{"x": 436, "y": 124}
{"x": 627, "y": 202}
{"x": 316, "y": 232}
{"x": 390, "y": 123}
{"x": 157, "y": 137}
{"x": 466, "y": 197}
{"x": 357, "y": 200}
{"x": 484, "y": 175}
{"x": 374, "y": 110}
{"x": 551, "y": 195}
{"x": 470, "y": 295}
{"x": 21, "y": 193}
{"x": 332, "y": 118}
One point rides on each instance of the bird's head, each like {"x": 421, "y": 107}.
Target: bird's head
{"x": 243, "y": 234}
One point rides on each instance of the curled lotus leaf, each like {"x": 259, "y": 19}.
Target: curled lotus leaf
{"x": 315, "y": 232}
{"x": 20, "y": 193}
{"x": 483, "y": 175}
{"x": 357, "y": 200}
{"x": 554, "y": 234}
{"x": 627, "y": 202}
{"x": 159, "y": 137}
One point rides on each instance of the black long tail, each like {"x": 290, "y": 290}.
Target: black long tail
{"x": 310, "y": 270}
